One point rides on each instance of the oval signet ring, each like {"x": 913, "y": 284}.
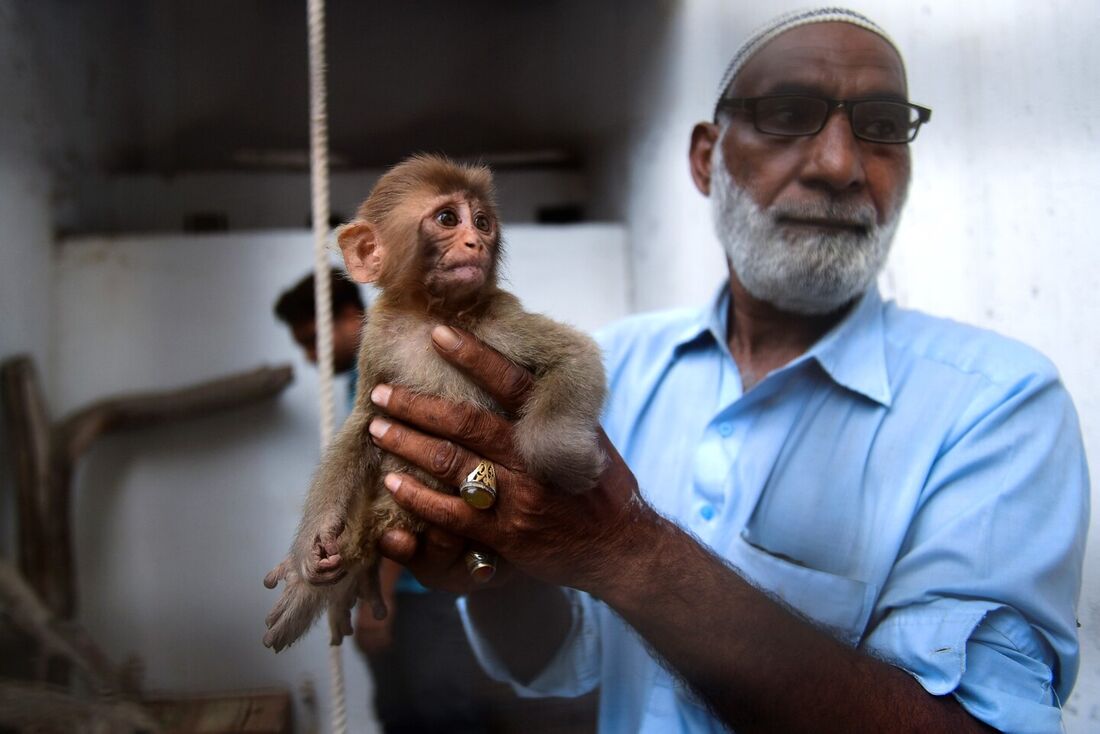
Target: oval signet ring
{"x": 482, "y": 565}
{"x": 480, "y": 488}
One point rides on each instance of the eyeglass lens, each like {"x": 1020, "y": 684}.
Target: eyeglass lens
{"x": 875, "y": 120}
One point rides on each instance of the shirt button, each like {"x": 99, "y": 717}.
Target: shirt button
{"x": 707, "y": 512}
{"x": 725, "y": 429}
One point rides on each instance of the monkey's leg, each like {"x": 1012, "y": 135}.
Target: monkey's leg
{"x": 295, "y": 612}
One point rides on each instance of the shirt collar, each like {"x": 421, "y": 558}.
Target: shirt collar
{"x": 710, "y": 324}
{"x": 852, "y": 353}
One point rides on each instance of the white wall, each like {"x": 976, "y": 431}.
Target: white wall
{"x": 41, "y": 148}
{"x": 999, "y": 230}
{"x": 176, "y": 526}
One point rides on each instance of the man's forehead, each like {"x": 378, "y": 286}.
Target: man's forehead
{"x": 780, "y": 27}
{"x": 823, "y": 55}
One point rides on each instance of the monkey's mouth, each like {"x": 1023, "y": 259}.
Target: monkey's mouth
{"x": 465, "y": 274}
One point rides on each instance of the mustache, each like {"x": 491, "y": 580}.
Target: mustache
{"x": 859, "y": 214}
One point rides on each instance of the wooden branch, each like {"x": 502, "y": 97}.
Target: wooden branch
{"x": 67, "y": 639}
{"x": 76, "y": 432}
{"x": 27, "y": 432}
{"x": 34, "y": 706}
{"x": 45, "y": 457}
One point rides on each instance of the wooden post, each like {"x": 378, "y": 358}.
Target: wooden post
{"x": 44, "y": 455}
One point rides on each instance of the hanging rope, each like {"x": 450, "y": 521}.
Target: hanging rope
{"x": 318, "y": 144}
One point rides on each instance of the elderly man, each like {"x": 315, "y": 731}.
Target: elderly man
{"x": 838, "y": 515}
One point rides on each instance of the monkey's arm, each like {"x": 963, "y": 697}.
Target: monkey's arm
{"x": 320, "y": 570}
{"x": 348, "y": 470}
{"x": 556, "y": 431}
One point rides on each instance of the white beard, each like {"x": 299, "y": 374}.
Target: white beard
{"x": 800, "y": 273}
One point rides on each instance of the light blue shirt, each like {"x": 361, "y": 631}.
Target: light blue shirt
{"x": 914, "y": 485}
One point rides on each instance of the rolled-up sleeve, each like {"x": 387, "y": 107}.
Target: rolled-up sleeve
{"x": 574, "y": 669}
{"x": 981, "y": 602}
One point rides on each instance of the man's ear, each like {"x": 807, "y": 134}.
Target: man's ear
{"x": 362, "y": 250}
{"x": 704, "y": 136}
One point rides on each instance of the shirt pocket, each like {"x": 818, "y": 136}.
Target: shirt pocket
{"x": 841, "y": 604}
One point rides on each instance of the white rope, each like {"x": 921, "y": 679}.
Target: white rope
{"x": 319, "y": 185}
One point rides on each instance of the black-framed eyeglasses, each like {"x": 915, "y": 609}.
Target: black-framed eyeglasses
{"x": 874, "y": 120}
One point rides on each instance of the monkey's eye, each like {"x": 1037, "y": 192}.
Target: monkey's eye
{"x": 447, "y": 218}
{"x": 482, "y": 222}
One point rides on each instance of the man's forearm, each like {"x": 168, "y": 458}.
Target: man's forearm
{"x": 525, "y": 621}
{"x": 758, "y": 665}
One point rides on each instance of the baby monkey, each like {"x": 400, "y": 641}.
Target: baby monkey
{"x": 429, "y": 236}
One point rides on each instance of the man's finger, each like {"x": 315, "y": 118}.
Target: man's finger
{"x": 506, "y": 381}
{"x": 448, "y": 512}
{"x": 398, "y": 545}
{"x": 440, "y": 549}
{"x": 487, "y": 433}
{"x": 444, "y": 460}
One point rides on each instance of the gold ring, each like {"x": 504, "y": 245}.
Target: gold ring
{"x": 480, "y": 488}
{"x": 482, "y": 565}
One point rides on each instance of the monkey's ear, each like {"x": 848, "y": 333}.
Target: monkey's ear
{"x": 362, "y": 251}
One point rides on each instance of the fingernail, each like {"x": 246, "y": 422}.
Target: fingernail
{"x": 380, "y": 395}
{"x": 378, "y": 427}
{"x": 392, "y": 482}
{"x": 446, "y": 338}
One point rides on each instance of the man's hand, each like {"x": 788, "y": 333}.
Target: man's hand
{"x": 563, "y": 539}
{"x": 373, "y": 636}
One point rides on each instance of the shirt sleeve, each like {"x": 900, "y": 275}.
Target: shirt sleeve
{"x": 981, "y": 603}
{"x": 574, "y": 669}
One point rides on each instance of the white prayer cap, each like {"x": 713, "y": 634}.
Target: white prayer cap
{"x": 786, "y": 22}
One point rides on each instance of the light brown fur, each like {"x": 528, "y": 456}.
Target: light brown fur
{"x": 555, "y": 431}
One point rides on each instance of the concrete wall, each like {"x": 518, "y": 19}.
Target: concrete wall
{"x": 176, "y": 526}
{"x": 49, "y": 130}
{"x": 281, "y": 200}
{"x": 999, "y": 230}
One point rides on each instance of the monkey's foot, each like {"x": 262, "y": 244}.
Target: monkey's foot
{"x": 292, "y": 615}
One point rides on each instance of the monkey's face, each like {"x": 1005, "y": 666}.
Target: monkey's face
{"x": 459, "y": 240}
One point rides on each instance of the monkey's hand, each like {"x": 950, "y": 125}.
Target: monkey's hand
{"x": 560, "y": 451}
{"x": 556, "y": 433}
{"x": 319, "y": 550}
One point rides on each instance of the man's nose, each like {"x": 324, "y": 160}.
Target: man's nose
{"x": 835, "y": 158}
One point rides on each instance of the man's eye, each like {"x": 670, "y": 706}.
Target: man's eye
{"x": 882, "y": 127}
{"x": 884, "y": 121}
{"x": 787, "y": 116}
{"x": 447, "y": 218}
{"x": 482, "y": 222}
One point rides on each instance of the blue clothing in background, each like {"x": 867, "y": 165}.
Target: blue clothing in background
{"x": 915, "y": 485}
